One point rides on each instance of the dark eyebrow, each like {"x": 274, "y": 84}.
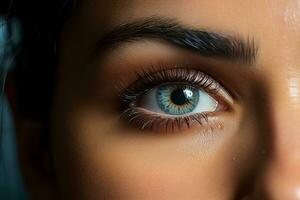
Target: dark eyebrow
{"x": 212, "y": 44}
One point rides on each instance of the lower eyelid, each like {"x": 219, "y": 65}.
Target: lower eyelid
{"x": 149, "y": 121}
{"x": 146, "y": 120}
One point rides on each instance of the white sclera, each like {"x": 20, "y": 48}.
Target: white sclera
{"x": 206, "y": 103}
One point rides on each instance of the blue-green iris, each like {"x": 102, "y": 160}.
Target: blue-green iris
{"x": 177, "y": 99}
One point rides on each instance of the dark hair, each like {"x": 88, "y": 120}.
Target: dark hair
{"x": 34, "y": 69}
{"x": 41, "y": 21}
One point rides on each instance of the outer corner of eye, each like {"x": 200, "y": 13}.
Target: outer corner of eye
{"x": 180, "y": 103}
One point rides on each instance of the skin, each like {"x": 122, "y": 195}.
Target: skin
{"x": 93, "y": 155}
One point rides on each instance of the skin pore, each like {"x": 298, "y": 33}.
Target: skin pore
{"x": 248, "y": 149}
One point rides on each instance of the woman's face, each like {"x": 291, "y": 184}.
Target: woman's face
{"x": 176, "y": 99}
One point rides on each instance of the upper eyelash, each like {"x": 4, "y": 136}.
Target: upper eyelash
{"x": 148, "y": 79}
{"x": 151, "y": 78}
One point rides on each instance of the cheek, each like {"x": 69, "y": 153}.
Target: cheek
{"x": 98, "y": 159}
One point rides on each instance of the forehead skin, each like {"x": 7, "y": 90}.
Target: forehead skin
{"x": 98, "y": 166}
{"x": 273, "y": 23}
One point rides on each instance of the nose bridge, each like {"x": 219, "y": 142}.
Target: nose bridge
{"x": 285, "y": 139}
{"x": 281, "y": 176}
{"x": 285, "y": 116}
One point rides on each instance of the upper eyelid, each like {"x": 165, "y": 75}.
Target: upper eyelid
{"x": 136, "y": 114}
{"x": 152, "y": 78}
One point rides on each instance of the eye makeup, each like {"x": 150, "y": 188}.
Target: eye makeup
{"x": 181, "y": 89}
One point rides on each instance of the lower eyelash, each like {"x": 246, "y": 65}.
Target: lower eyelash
{"x": 144, "y": 120}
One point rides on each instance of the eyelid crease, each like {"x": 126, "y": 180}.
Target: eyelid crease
{"x": 149, "y": 78}
{"x": 146, "y": 119}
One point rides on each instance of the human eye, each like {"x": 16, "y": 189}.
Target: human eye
{"x": 169, "y": 100}
{"x": 179, "y": 99}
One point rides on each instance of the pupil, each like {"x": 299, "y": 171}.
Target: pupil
{"x": 181, "y": 96}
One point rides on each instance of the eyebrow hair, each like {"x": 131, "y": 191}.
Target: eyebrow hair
{"x": 210, "y": 44}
